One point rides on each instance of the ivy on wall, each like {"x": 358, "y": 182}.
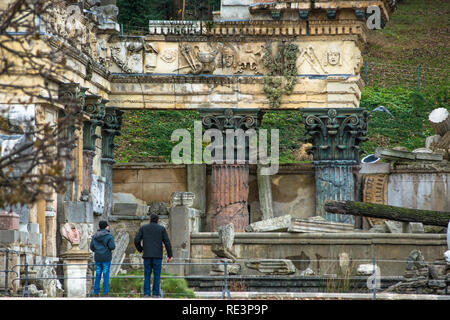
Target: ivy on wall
{"x": 282, "y": 72}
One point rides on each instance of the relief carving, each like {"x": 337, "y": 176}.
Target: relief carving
{"x": 135, "y": 57}
{"x": 168, "y": 55}
{"x": 198, "y": 61}
{"x": 332, "y": 57}
{"x": 103, "y": 52}
{"x": 250, "y": 58}
{"x": 375, "y": 191}
{"x": 150, "y": 57}
{"x": 230, "y": 57}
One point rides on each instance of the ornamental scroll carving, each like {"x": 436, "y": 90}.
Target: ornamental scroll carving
{"x": 336, "y": 134}
{"x": 375, "y": 191}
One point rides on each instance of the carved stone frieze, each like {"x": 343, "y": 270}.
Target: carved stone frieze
{"x": 249, "y": 58}
{"x": 197, "y": 60}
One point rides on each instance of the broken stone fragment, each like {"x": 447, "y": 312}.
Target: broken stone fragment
{"x": 158, "y": 208}
{"x": 318, "y": 224}
{"x": 272, "y": 266}
{"x": 366, "y": 269}
{"x": 278, "y": 224}
{"x": 307, "y": 272}
{"x": 226, "y": 238}
{"x": 126, "y": 204}
{"x": 232, "y": 268}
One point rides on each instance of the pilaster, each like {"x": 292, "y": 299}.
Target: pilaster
{"x": 111, "y": 128}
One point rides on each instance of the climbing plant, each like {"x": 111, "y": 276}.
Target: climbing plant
{"x": 282, "y": 72}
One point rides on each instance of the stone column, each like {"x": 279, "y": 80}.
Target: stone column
{"x": 334, "y": 181}
{"x": 50, "y": 226}
{"x": 229, "y": 177}
{"x": 71, "y": 94}
{"x": 111, "y": 128}
{"x": 229, "y": 195}
{"x": 265, "y": 194}
{"x": 95, "y": 108}
{"x": 336, "y": 135}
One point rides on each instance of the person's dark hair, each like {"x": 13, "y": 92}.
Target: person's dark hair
{"x": 154, "y": 218}
{"x": 103, "y": 224}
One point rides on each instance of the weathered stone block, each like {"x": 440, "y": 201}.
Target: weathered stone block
{"x": 437, "y": 283}
{"x": 9, "y": 236}
{"x": 272, "y": 266}
{"x": 121, "y": 239}
{"x": 78, "y": 212}
{"x": 318, "y": 224}
{"x": 126, "y": 204}
{"x": 9, "y": 220}
{"x": 277, "y": 224}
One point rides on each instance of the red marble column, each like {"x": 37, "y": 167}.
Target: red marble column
{"x": 229, "y": 196}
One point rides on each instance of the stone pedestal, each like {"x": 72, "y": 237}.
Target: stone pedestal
{"x": 75, "y": 272}
{"x": 229, "y": 196}
{"x": 9, "y": 220}
{"x": 180, "y": 238}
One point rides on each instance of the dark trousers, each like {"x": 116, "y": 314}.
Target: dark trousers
{"x": 152, "y": 264}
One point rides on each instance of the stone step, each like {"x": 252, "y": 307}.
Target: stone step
{"x": 285, "y": 283}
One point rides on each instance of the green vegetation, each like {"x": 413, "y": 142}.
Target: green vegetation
{"x": 410, "y": 108}
{"x": 134, "y": 15}
{"x": 132, "y": 285}
{"x": 282, "y": 74}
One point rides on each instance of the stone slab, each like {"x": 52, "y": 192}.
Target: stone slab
{"x": 272, "y": 266}
{"x": 121, "y": 239}
{"x": 374, "y": 168}
{"x": 9, "y": 236}
{"x": 277, "y": 224}
{"x": 391, "y": 154}
{"x": 78, "y": 211}
{"x": 310, "y": 225}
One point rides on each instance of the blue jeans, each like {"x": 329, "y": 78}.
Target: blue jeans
{"x": 102, "y": 268}
{"x": 152, "y": 264}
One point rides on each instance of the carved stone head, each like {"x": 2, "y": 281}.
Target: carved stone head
{"x": 229, "y": 57}
{"x": 333, "y": 56}
{"x": 70, "y": 232}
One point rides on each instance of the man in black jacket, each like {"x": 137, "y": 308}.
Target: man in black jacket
{"x": 153, "y": 236}
{"x": 102, "y": 244}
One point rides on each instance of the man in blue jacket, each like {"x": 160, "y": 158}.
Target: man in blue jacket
{"x": 102, "y": 244}
{"x": 153, "y": 236}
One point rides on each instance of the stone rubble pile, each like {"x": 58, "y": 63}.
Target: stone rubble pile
{"x": 423, "y": 278}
